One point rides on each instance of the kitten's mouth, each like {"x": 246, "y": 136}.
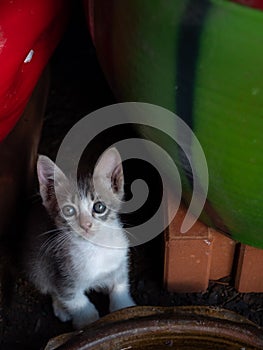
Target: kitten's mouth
{"x": 87, "y": 234}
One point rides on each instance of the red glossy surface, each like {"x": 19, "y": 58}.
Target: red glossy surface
{"x": 257, "y": 4}
{"x": 25, "y": 25}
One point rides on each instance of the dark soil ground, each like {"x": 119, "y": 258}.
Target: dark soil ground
{"x": 77, "y": 88}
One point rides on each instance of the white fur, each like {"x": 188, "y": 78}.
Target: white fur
{"x": 95, "y": 267}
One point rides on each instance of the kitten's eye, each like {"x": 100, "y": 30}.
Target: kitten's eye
{"x": 68, "y": 210}
{"x": 99, "y": 208}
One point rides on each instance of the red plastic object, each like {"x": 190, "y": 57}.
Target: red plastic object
{"x": 29, "y": 32}
{"x": 257, "y": 4}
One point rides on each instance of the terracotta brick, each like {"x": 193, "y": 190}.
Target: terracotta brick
{"x": 249, "y": 275}
{"x": 187, "y": 256}
{"x": 202, "y": 254}
{"x": 222, "y": 255}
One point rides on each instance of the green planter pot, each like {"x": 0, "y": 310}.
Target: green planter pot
{"x": 203, "y": 60}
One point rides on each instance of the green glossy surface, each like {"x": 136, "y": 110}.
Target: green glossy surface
{"x": 228, "y": 94}
{"x": 228, "y": 116}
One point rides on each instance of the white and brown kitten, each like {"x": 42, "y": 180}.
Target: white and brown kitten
{"x": 89, "y": 248}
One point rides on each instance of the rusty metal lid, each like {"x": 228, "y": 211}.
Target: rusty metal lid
{"x": 159, "y": 328}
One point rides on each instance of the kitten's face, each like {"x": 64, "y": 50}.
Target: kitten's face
{"x": 91, "y": 207}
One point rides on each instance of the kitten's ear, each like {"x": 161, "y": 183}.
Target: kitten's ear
{"x": 109, "y": 167}
{"x": 46, "y": 176}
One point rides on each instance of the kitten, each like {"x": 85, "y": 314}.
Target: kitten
{"x": 89, "y": 248}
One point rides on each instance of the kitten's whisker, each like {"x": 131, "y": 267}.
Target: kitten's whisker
{"x": 130, "y": 234}
{"x": 50, "y": 231}
{"x": 54, "y": 243}
{"x": 126, "y": 224}
{"x": 110, "y": 225}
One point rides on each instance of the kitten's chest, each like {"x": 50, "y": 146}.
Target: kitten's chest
{"x": 96, "y": 263}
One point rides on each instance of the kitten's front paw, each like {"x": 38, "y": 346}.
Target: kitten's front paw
{"x": 83, "y": 319}
{"x": 60, "y": 312}
{"x": 121, "y": 303}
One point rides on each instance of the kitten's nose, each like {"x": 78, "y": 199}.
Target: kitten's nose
{"x": 86, "y": 225}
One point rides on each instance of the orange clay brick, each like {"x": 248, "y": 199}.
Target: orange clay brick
{"x": 203, "y": 254}
{"x": 187, "y": 256}
{"x": 249, "y": 275}
{"x": 223, "y": 252}
{"x": 195, "y": 257}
